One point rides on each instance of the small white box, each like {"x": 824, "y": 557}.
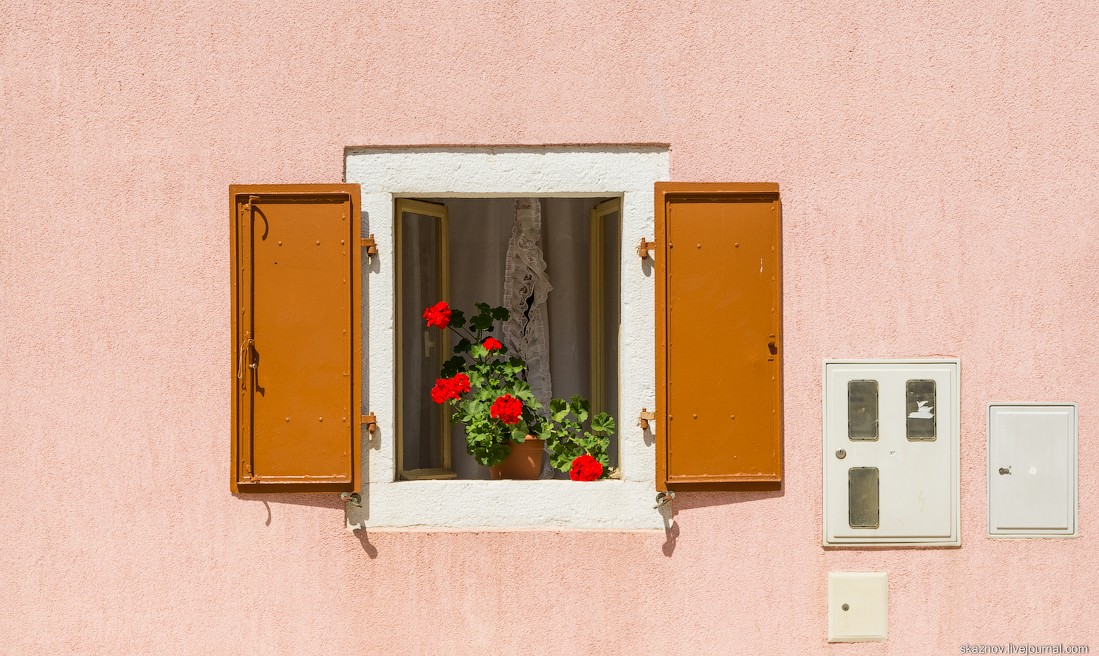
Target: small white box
{"x": 1032, "y": 470}
{"x": 858, "y": 606}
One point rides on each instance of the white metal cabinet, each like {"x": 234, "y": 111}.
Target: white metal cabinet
{"x": 1032, "y": 470}
{"x": 891, "y": 452}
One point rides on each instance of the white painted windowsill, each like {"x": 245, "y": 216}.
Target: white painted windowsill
{"x": 548, "y": 504}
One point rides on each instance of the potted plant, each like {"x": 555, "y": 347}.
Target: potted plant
{"x": 506, "y": 427}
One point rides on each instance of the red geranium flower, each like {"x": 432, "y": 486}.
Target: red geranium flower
{"x": 438, "y": 315}
{"x": 507, "y": 409}
{"x": 492, "y": 344}
{"x": 449, "y": 388}
{"x": 441, "y": 392}
{"x": 586, "y": 468}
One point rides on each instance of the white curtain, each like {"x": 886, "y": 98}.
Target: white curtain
{"x": 526, "y": 288}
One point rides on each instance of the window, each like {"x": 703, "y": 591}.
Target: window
{"x": 456, "y": 250}
{"x": 455, "y": 177}
{"x": 694, "y": 333}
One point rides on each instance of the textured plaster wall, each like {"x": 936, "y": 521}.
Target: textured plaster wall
{"x": 938, "y": 169}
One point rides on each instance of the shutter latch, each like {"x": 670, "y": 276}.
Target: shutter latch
{"x": 663, "y": 499}
{"x": 371, "y": 423}
{"x": 644, "y": 418}
{"x": 644, "y": 247}
{"x": 370, "y": 245}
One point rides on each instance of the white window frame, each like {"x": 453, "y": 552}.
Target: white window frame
{"x": 552, "y": 171}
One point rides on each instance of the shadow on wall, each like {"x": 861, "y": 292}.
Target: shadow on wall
{"x": 671, "y": 529}
{"x": 364, "y": 540}
{"x": 325, "y": 500}
{"x": 692, "y": 500}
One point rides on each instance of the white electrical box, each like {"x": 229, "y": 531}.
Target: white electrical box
{"x": 1032, "y": 488}
{"x": 891, "y": 452}
{"x": 858, "y": 606}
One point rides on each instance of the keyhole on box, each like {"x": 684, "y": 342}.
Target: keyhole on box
{"x": 845, "y": 607}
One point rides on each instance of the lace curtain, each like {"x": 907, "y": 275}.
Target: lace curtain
{"x": 526, "y": 288}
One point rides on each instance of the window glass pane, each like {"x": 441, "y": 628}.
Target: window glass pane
{"x": 422, "y": 348}
{"x": 612, "y": 249}
{"x": 863, "y": 497}
{"x": 921, "y": 410}
{"x": 862, "y": 409}
{"x": 479, "y": 230}
{"x": 474, "y": 244}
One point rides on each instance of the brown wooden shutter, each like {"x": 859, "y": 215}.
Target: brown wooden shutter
{"x": 296, "y": 337}
{"x": 719, "y": 336}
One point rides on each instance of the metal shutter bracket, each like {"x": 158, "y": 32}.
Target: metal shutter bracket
{"x": 370, "y": 245}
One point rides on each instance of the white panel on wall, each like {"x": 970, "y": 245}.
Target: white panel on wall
{"x": 891, "y": 456}
{"x": 858, "y": 604}
{"x": 1032, "y": 489}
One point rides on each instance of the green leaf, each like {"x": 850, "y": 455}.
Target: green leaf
{"x": 478, "y": 351}
{"x": 498, "y": 313}
{"x": 602, "y": 423}
{"x": 558, "y": 409}
{"x": 520, "y": 389}
{"x": 481, "y": 322}
{"x": 457, "y": 318}
{"x": 463, "y": 346}
{"x": 453, "y": 366}
{"x": 580, "y": 408}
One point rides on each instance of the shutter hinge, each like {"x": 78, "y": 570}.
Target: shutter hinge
{"x": 370, "y": 245}
{"x": 644, "y": 247}
{"x": 644, "y": 418}
{"x": 371, "y": 423}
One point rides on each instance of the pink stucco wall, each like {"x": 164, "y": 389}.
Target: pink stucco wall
{"x": 938, "y": 169}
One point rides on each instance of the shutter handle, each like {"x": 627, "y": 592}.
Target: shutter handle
{"x": 245, "y": 351}
{"x": 772, "y": 347}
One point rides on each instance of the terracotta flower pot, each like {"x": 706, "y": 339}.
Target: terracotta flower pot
{"x": 523, "y": 463}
